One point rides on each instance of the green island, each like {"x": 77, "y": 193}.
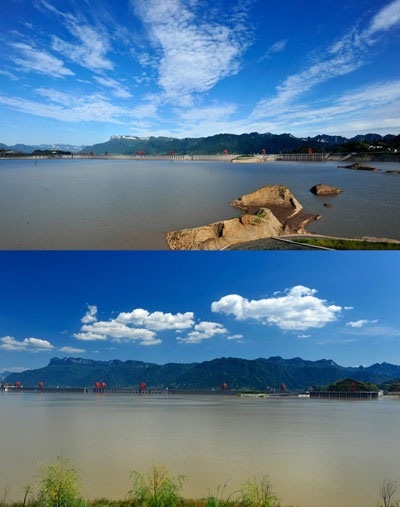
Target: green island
{"x": 348, "y": 244}
{"x": 348, "y": 385}
{"x": 59, "y": 485}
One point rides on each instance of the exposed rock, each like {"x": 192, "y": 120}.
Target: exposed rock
{"x": 359, "y": 167}
{"x": 228, "y": 232}
{"x": 322, "y": 189}
{"x": 328, "y": 205}
{"x": 277, "y": 213}
{"x": 392, "y": 172}
{"x": 272, "y": 197}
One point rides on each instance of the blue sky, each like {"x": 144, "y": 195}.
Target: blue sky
{"x": 169, "y": 306}
{"x": 79, "y": 72}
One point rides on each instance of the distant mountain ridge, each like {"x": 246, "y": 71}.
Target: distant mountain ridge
{"x": 29, "y": 149}
{"x": 233, "y": 143}
{"x": 262, "y": 373}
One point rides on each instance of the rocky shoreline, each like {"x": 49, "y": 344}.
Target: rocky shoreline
{"x": 271, "y": 211}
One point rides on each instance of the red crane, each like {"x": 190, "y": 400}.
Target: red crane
{"x": 283, "y": 388}
{"x": 40, "y": 385}
{"x": 224, "y": 386}
{"x": 353, "y": 387}
{"x": 138, "y": 153}
{"x": 310, "y": 151}
{"x": 142, "y": 386}
{"x": 17, "y": 384}
{"x": 225, "y": 152}
{"x": 97, "y": 386}
{"x": 103, "y": 386}
{"x": 91, "y": 153}
{"x": 143, "y": 153}
{"x": 264, "y": 151}
{"x": 172, "y": 153}
{"x": 106, "y": 153}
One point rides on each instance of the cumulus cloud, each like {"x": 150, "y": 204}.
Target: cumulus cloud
{"x": 28, "y": 344}
{"x": 138, "y": 325}
{"x": 195, "y": 52}
{"x": 31, "y": 59}
{"x": 361, "y": 323}
{"x": 203, "y": 331}
{"x": 157, "y": 321}
{"x": 297, "y": 310}
{"x": 71, "y": 350}
{"x": 90, "y": 315}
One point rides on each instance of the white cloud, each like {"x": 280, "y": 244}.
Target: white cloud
{"x": 298, "y": 310}
{"x": 42, "y": 62}
{"x": 72, "y": 350}
{"x": 117, "y": 331}
{"x": 195, "y": 53}
{"x": 157, "y": 321}
{"x": 28, "y": 344}
{"x": 235, "y": 337}
{"x": 304, "y": 336}
{"x": 348, "y": 53}
{"x": 203, "y": 331}
{"x": 386, "y": 18}
{"x": 277, "y": 47}
{"x": 90, "y": 315}
{"x": 138, "y": 325}
{"x": 75, "y": 108}
{"x": 118, "y": 90}
{"x": 361, "y": 323}
{"x": 8, "y": 74}
{"x": 348, "y": 308}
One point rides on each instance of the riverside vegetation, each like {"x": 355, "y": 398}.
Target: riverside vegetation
{"x": 58, "y": 485}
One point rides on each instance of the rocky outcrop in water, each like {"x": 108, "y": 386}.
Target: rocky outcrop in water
{"x": 270, "y": 211}
{"x": 392, "y": 172}
{"x": 359, "y": 167}
{"x": 322, "y": 189}
{"x": 270, "y": 196}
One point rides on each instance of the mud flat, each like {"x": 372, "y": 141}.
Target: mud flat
{"x": 271, "y": 211}
{"x": 359, "y": 167}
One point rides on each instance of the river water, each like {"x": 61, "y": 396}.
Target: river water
{"x": 119, "y": 204}
{"x": 318, "y": 453}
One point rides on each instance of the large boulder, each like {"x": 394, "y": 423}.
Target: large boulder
{"x": 322, "y": 189}
{"x": 270, "y": 196}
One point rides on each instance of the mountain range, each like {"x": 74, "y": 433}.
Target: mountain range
{"x": 236, "y": 144}
{"x": 238, "y": 373}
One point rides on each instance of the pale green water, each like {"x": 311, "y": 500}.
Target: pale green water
{"x": 119, "y": 204}
{"x": 317, "y": 452}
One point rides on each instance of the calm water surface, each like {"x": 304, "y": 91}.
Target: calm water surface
{"x": 118, "y": 204}
{"x": 317, "y": 452}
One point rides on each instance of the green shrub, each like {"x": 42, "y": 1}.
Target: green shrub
{"x": 258, "y": 493}
{"x": 218, "y": 499}
{"x": 157, "y": 488}
{"x": 58, "y": 485}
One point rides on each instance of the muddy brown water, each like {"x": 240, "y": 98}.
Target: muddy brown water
{"x": 317, "y": 452}
{"x": 127, "y": 204}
